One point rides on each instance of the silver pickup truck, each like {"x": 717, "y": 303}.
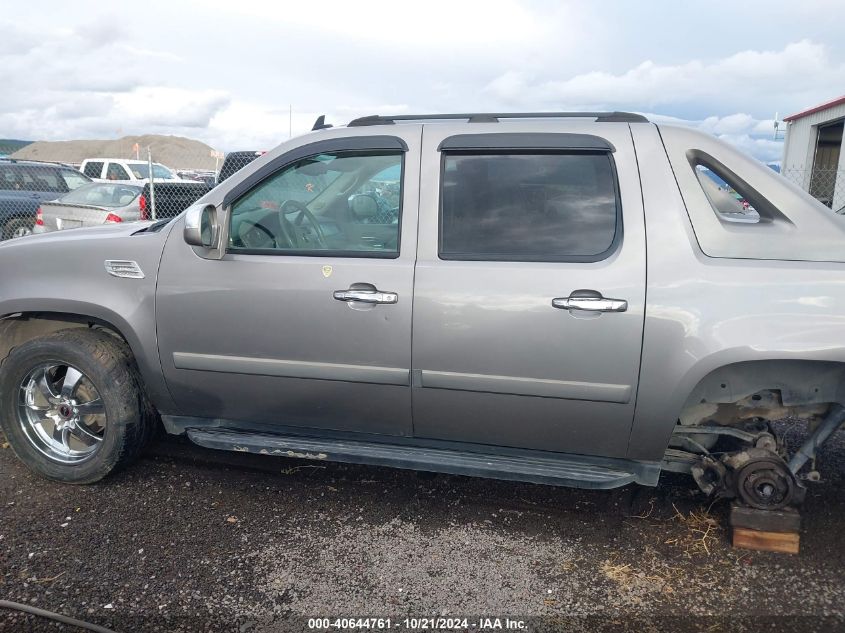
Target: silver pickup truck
{"x": 579, "y": 299}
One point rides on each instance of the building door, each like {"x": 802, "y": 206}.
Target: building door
{"x": 826, "y": 162}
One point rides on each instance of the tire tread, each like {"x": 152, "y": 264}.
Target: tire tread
{"x": 114, "y": 359}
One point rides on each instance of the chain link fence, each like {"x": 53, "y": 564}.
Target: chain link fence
{"x": 821, "y": 184}
{"x": 40, "y": 195}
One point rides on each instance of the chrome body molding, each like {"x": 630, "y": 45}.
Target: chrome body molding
{"x": 516, "y": 385}
{"x": 292, "y": 368}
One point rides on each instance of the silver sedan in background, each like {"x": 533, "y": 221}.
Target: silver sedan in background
{"x": 91, "y": 205}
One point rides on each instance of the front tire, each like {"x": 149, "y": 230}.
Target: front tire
{"x": 72, "y": 405}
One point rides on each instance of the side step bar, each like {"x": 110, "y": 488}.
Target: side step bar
{"x": 566, "y": 470}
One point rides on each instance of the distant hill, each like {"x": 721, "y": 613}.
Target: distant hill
{"x": 174, "y": 151}
{"x": 9, "y": 145}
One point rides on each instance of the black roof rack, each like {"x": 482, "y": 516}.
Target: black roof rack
{"x": 494, "y": 117}
{"x": 320, "y": 123}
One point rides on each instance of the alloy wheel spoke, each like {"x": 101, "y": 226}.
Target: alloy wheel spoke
{"x": 29, "y": 402}
{"x": 41, "y": 419}
{"x": 46, "y": 388}
{"x": 61, "y": 434}
{"x": 53, "y": 406}
{"x": 72, "y": 378}
{"x": 85, "y": 435}
{"x": 92, "y": 407}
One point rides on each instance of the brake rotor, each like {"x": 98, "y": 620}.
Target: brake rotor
{"x": 766, "y": 484}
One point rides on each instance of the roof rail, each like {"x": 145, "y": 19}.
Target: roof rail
{"x": 494, "y": 117}
{"x": 57, "y": 163}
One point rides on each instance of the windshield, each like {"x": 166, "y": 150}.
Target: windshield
{"x": 142, "y": 170}
{"x": 103, "y": 195}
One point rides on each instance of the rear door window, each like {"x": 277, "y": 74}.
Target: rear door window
{"x": 36, "y": 178}
{"x": 551, "y": 206}
{"x": 10, "y": 178}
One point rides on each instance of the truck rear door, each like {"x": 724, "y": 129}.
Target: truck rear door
{"x": 529, "y": 286}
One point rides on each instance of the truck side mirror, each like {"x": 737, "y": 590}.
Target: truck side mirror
{"x": 202, "y": 227}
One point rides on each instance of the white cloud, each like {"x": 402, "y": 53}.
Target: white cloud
{"x": 465, "y": 22}
{"x": 161, "y": 107}
{"x": 226, "y": 72}
{"x": 764, "y": 149}
{"x": 731, "y": 124}
{"x": 754, "y": 136}
{"x": 743, "y": 80}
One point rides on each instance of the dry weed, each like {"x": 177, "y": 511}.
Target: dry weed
{"x": 702, "y": 531}
{"x": 648, "y": 575}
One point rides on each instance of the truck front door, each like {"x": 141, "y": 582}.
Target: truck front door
{"x": 306, "y": 319}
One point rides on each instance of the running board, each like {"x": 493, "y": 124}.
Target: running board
{"x": 565, "y": 470}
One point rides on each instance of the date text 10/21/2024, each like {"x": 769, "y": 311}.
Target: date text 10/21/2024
{"x": 417, "y": 624}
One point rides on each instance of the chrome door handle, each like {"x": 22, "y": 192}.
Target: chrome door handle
{"x": 590, "y": 304}
{"x": 366, "y": 296}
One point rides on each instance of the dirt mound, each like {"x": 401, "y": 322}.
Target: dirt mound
{"x": 173, "y": 151}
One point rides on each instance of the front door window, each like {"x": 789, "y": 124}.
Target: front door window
{"x": 331, "y": 204}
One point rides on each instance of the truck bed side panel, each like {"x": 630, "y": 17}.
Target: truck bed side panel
{"x": 703, "y": 313}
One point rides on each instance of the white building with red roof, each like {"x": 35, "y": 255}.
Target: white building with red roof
{"x": 812, "y": 152}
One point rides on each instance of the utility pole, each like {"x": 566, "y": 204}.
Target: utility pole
{"x": 152, "y": 187}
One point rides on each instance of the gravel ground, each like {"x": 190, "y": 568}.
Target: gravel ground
{"x": 195, "y": 540}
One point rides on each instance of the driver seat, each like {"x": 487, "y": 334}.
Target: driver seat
{"x": 363, "y": 207}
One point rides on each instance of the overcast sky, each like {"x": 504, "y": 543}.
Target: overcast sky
{"x": 225, "y": 71}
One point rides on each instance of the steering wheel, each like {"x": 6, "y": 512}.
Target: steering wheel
{"x": 294, "y": 206}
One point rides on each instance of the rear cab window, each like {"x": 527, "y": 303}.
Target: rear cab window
{"x": 93, "y": 169}
{"x": 728, "y": 203}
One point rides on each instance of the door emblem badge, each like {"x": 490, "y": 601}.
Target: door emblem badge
{"x": 327, "y": 271}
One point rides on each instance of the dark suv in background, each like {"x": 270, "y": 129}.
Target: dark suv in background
{"x": 24, "y": 185}
{"x": 235, "y": 161}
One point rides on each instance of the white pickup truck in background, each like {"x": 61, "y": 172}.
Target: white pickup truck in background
{"x": 126, "y": 170}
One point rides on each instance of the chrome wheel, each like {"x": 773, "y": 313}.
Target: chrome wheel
{"x": 22, "y": 231}
{"x": 61, "y": 413}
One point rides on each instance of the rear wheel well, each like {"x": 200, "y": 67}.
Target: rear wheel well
{"x": 726, "y": 440}
{"x": 768, "y": 389}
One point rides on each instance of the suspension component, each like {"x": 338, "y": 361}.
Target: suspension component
{"x": 710, "y": 475}
{"x": 835, "y": 418}
{"x": 762, "y": 480}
